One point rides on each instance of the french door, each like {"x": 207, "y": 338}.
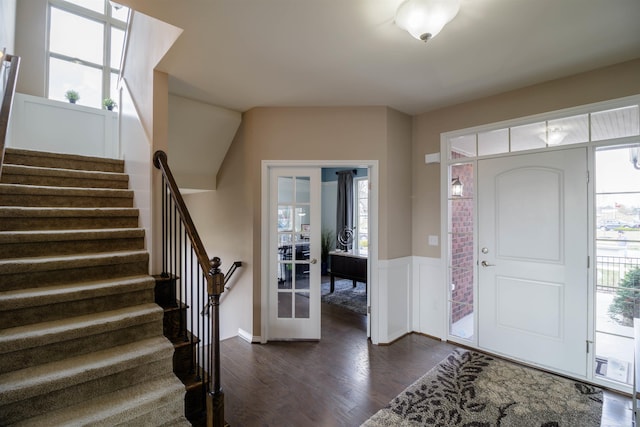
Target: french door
{"x": 533, "y": 259}
{"x": 294, "y": 254}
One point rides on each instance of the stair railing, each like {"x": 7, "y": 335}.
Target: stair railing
{"x": 9, "y": 65}
{"x": 185, "y": 258}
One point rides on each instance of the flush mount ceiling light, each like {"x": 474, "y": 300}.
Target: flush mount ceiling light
{"x": 424, "y": 19}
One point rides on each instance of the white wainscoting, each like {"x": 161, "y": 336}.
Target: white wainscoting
{"x": 60, "y": 127}
{"x": 428, "y": 297}
{"x": 394, "y": 296}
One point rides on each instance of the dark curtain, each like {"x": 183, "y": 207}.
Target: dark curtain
{"x": 344, "y": 211}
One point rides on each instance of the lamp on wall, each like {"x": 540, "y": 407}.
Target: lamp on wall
{"x": 456, "y": 187}
{"x": 424, "y": 19}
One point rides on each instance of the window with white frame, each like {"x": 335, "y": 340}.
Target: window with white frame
{"x": 86, "y": 39}
{"x": 361, "y": 195}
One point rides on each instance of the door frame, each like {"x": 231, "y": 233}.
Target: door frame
{"x": 591, "y": 146}
{"x": 373, "y": 325}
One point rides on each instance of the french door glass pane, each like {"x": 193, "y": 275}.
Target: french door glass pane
{"x": 293, "y": 252}
{"x": 87, "y": 81}
{"x": 77, "y": 37}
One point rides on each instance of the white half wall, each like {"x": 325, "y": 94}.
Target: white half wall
{"x": 62, "y": 127}
{"x": 392, "y": 299}
{"x": 428, "y": 297}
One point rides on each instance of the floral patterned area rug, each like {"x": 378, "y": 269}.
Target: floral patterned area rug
{"x": 475, "y": 390}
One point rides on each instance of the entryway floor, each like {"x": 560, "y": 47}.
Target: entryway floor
{"x": 340, "y": 381}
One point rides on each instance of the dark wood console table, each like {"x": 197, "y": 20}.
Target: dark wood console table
{"x": 348, "y": 266}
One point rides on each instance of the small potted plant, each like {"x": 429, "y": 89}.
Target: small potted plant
{"x": 109, "y": 104}
{"x": 72, "y": 96}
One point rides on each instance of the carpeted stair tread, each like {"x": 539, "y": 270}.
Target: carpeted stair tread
{"x": 60, "y": 160}
{"x": 27, "y": 211}
{"x": 36, "y": 175}
{"x": 120, "y": 407}
{"x": 30, "y": 243}
{"x": 66, "y": 218}
{"x": 50, "y": 377}
{"x": 45, "y": 196}
{"x": 49, "y": 263}
{"x": 32, "y": 297}
{"x": 22, "y": 337}
{"x": 23, "y": 236}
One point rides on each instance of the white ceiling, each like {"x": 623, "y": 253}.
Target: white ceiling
{"x": 241, "y": 54}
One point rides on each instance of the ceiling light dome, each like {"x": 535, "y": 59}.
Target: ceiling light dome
{"x": 424, "y": 19}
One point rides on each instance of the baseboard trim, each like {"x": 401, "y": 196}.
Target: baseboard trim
{"x": 248, "y": 337}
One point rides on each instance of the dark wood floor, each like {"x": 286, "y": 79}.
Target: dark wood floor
{"x": 340, "y": 381}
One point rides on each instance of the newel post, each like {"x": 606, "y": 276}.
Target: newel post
{"x": 215, "y": 396}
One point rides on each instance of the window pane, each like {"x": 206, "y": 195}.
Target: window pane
{"x": 616, "y": 123}
{"x": 77, "y": 37}
{"x": 117, "y": 42}
{"x": 113, "y": 89}
{"x": 528, "y": 137}
{"x": 65, "y": 75}
{"x": 461, "y": 321}
{"x": 494, "y": 142}
{"x": 463, "y": 146}
{"x": 120, "y": 14}
{"x": 569, "y": 130}
{"x": 95, "y": 5}
{"x": 464, "y": 174}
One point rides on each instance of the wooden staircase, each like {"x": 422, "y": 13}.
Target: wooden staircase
{"x": 81, "y": 338}
{"x": 185, "y": 345}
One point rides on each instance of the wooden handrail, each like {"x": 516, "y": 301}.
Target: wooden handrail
{"x": 215, "y": 280}
{"x": 160, "y": 162}
{"x": 7, "y": 100}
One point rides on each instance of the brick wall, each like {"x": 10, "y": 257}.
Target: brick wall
{"x": 462, "y": 215}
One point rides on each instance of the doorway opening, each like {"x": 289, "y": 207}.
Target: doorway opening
{"x": 362, "y": 242}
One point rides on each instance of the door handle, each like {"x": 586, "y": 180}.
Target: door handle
{"x": 313, "y": 261}
{"x": 486, "y": 264}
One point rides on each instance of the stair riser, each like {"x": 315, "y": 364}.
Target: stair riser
{"x": 184, "y": 360}
{"x": 59, "y": 201}
{"x": 57, "y": 399}
{"x": 60, "y": 310}
{"x": 66, "y": 223}
{"x": 24, "y": 280}
{"x": 173, "y": 325}
{"x": 33, "y": 249}
{"x": 63, "y": 349}
{"x": 194, "y": 403}
{"x": 33, "y": 159}
{"x": 60, "y": 181}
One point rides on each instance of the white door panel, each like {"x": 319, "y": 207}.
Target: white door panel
{"x": 294, "y": 254}
{"x": 532, "y": 282}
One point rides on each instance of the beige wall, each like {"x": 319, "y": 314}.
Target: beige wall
{"x": 600, "y": 85}
{"x": 349, "y": 133}
{"x": 30, "y": 45}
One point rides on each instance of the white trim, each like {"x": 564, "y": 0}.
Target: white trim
{"x": 248, "y": 337}
{"x": 372, "y": 264}
{"x": 550, "y": 115}
{"x": 394, "y": 299}
{"x": 429, "y": 311}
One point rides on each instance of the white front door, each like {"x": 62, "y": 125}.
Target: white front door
{"x": 294, "y": 254}
{"x": 532, "y": 241}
